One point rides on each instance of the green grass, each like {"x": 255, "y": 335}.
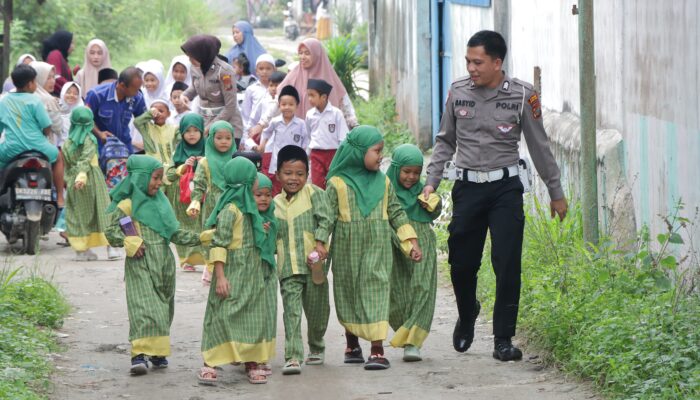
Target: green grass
{"x": 29, "y": 309}
{"x": 380, "y": 112}
{"x": 627, "y": 320}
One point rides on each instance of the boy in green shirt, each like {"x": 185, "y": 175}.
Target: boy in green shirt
{"x": 303, "y": 213}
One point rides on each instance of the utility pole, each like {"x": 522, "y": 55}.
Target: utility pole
{"x": 587, "y": 83}
{"x": 5, "y": 52}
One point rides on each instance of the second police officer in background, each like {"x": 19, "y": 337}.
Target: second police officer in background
{"x": 484, "y": 116}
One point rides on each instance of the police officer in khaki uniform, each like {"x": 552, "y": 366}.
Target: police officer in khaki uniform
{"x": 483, "y": 120}
{"x": 213, "y": 81}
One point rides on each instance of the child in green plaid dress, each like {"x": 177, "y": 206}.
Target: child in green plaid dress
{"x": 87, "y": 198}
{"x": 150, "y": 265}
{"x": 209, "y": 180}
{"x": 303, "y": 213}
{"x": 413, "y": 285}
{"x": 242, "y": 297}
{"x": 366, "y": 214}
{"x": 188, "y": 153}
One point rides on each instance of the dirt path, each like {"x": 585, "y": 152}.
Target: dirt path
{"x": 96, "y": 361}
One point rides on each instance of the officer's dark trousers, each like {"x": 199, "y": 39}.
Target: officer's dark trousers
{"x": 498, "y": 208}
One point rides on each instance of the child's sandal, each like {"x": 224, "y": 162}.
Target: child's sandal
{"x": 207, "y": 376}
{"x": 265, "y": 368}
{"x": 256, "y": 376}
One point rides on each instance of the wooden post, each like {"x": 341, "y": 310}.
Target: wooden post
{"x": 5, "y": 53}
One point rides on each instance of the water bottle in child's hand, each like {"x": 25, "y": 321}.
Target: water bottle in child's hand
{"x": 317, "y": 274}
{"x": 128, "y": 227}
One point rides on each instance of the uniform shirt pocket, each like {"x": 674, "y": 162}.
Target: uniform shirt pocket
{"x": 507, "y": 124}
{"x": 106, "y": 116}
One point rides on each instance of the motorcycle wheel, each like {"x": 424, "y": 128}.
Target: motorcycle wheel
{"x": 31, "y": 237}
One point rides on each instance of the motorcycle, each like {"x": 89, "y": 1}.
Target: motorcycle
{"x": 27, "y": 208}
{"x": 291, "y": 26}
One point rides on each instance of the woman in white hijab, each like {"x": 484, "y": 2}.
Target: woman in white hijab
{"x": 23, "y": 59}
{"x": 153, "y": 82}
{"x": 96, "y": 58}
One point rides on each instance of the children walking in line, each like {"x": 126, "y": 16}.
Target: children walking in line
{"x": 367, "y": 212}
{"x": 188, "y": 153}
{"x": 87, "y": 199}
{"x": 285, "y": 129}
{"x": 303, "y": 212}
{"x": 150, "y": 265}
{"x": 413, "y": 284}
{"x": 243, "y": 292}
{"x": 327, "y": 128}
{"x": 209, "y": 180}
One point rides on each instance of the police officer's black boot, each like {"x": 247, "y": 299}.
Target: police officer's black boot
{"x": 463, "y": 336}
{"x": 504, "y": 350}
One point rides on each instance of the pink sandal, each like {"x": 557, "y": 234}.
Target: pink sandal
{"x": 188, "y": 267}
{"x": 207, "y": 376}
{"x": 257, "y": 376}
{"x": 265, "y": 368}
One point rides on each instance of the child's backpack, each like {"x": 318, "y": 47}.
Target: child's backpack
{"x": 113, "y": 161}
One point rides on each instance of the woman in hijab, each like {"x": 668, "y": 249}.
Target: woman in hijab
{"x": 213, "y": 81}
{"x": 45, "y": 82}
{"x": 96, "y": 58}
{"x": 23, "y": 59}
{"x": 244, "y": 41}
{"x": 313, "y": 64}
{"x": 55, "y": 51}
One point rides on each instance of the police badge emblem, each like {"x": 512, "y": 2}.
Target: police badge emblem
{"x": 331, "y": 128}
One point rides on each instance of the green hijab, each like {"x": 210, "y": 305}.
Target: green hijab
{"x": 269, "y": 215}
{"x": 349, "y": 164}
{"x": 216, "y": 159}
{"x": 184, "y": 150}
{"x": 81, "y": 123}
{"x": 240, "y": 175}
{"x": 408, "y": 155}
{"x": 153, "y": 211}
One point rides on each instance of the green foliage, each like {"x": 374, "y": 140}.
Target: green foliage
{"x": 360, "y": 34}
{"x": 627, "y": 320}
{"x": 28, "y": 309}
{"x": 342, "y": 52}
{"x": 345, "y": 18}
{"x": 380, "y": 112}
{"x": 123, "y": 24}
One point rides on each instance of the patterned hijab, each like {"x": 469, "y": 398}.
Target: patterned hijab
{"x": 184, "y": 150}
{"x": 153, "y": 211}
{"x": 240, "y": 175}
{"x": 408, "y": 155}
{"x": 349, "y": 165}
{"x": 216, "y": 159}
{"x": 321, "y": 68}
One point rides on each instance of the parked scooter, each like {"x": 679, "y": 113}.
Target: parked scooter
{"x": 291, "y": 26}
{"x": 27, "y": 208}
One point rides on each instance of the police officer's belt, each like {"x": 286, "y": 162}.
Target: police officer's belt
{"x": 210, "y": 112}
{"x": 490, "y": 176}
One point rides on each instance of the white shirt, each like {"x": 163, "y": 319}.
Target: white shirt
{"x": 284, "y": 134}
{"x": 327, "y": 128}
{"x": 254, "y": 94}
{"x": 265, "y": 104}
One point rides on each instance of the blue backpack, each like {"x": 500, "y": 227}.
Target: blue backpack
{"x": 113, "y": 160}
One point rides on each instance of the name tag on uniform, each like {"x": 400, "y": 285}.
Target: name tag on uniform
{"x": 464, "y": 112}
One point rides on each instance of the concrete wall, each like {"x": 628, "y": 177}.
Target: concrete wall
{"x": 399, "y": 59}
{"x": 647, "y": 86}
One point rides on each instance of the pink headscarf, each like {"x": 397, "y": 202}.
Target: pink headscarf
{"x": 320, "y": 68}
{"x": 87, "y": 77}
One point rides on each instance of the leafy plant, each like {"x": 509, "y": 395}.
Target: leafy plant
{"x": 345, "y": 18}
{"x": 342, "y": 52}
{"x": 626, "y": 320}
{"x": 380, "y": 112}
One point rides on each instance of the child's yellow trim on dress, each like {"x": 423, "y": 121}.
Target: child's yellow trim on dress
{"x": 180, "y": 170}
{"x": 414, "y": 336}
{"x": 372, "y": 331}
{"x": 432, "y": 202}
{"x": 194, "y": 205}
{"x": 406, "y": 232}
{"x": 82, "y": 243}
{"x": 82, "y": 178}
{"x": 229, "y": 352}
{"x": 206, "y": 237}
{"x": 151, "y": 346}
{"x": 132, "y": 244}
{"x": 217, "y": 254}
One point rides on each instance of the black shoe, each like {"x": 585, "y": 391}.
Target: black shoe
{"x": 354, "y": 356}
{"x": 462, "y": 337}
{"x": 377, "y": 362}
{"x": 158, "y": 362}
{"x": 504, "y": 350}
{"x": 139, "y": 365}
